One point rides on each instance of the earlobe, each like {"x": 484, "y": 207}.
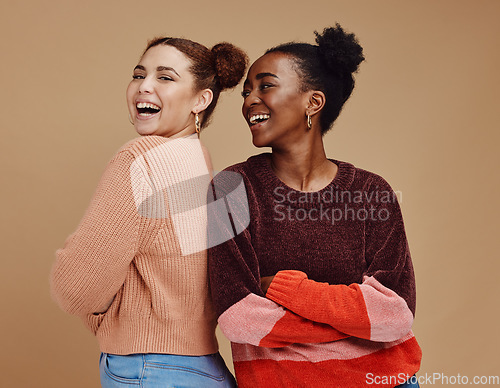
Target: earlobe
{"x": 204, "y": 99}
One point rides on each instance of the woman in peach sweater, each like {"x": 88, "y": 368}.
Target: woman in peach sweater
{"x": 135, "y": 270}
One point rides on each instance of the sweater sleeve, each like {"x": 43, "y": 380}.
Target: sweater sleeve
{"x": 92, "y": 266}
{"x": 244, "y": 314}
{"x": 382, "y": 307}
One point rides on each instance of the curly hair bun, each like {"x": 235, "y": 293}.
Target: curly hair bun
{"x": 230, "y": 64}
{"x": 341, "y": 51}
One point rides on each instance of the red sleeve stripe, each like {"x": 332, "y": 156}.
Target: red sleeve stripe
{"x": 397, "y": 361}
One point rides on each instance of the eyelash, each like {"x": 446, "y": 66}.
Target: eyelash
{"x": 245, "y": 93}
{"x": 162, "y": 78}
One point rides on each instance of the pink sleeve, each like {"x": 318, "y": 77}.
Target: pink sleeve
{"x": 92, "y": 265}
{"x": 261, "y": 322}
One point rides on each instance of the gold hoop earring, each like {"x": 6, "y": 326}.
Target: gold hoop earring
{"x": 130, "y": 119}
{"x": 309, "y": 122}
{"x": 197, "y": 123}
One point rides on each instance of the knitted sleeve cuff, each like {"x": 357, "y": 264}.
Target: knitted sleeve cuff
{"x": 285, "y": 287}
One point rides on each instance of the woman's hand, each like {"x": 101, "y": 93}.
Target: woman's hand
{"x": 265, "y": 282}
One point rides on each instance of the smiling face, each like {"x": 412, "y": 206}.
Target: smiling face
{"x": 274, "y": 105}
{"x": 161, "y": 96}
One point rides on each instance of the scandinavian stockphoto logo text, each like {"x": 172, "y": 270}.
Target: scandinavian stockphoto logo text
{"x": 334, "y": 205}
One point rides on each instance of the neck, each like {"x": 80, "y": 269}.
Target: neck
{"x": 185, "y": 132}
{"x": 303, "y": 165}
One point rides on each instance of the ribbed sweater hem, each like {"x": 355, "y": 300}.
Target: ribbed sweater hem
{"x": 184, "y": 337}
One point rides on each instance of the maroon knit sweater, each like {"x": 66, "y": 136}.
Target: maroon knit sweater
{"x": 340, "y": 309}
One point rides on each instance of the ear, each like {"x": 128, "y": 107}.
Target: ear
{"x": 203, "y": 100}
{"x": 316, "y": 102}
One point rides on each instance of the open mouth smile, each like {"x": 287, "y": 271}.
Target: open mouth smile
{"x": 147, "y": 109}
{"x": 256, "y": 119}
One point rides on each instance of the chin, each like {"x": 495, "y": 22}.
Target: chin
{"x": 262, "y": 144}
{"x": 259, "y": 142}
{"x": 141, "y": 133}
{"x": 259, "y": 145}
{"x": 144, "y": 131}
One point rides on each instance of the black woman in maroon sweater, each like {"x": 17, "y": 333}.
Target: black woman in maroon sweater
{"x": 310, "y": 269}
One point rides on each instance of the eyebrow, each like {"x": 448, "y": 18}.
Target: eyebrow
{"x": 159, "y": 68}
{"x": 262, "y": 75}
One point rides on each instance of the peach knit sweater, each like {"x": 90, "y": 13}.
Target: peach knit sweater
{"x": 135, "y": 270}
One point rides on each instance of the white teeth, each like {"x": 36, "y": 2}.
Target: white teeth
{"x": 142, "y": 105}
{"x": 255, "y": 118}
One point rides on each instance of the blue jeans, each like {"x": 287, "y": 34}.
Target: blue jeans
{"x": 152, "y": 370}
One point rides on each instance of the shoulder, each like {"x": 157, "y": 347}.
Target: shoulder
{"x": 362, "y": 184}
{"x": 376, "y": 190}
{"x": 239, "y": 175}
{"x": 241, "y": 168}
{"x": 362, "y": 179}
{"x": 128, "y": 154}
{"x": 372, "y": 180}
{"x": 207, "y": 157}
{"x": 251, "y": 169}
{"x": 163, "y": 151}
{"x": 141, "y": 145}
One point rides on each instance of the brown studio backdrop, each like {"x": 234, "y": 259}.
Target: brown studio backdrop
{"x": 422, "y": 115}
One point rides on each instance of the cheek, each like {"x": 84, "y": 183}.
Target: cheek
{"x": 284, "y": 104}
{"x": 178, "y": 100}
{"x": 167, "y": 96}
